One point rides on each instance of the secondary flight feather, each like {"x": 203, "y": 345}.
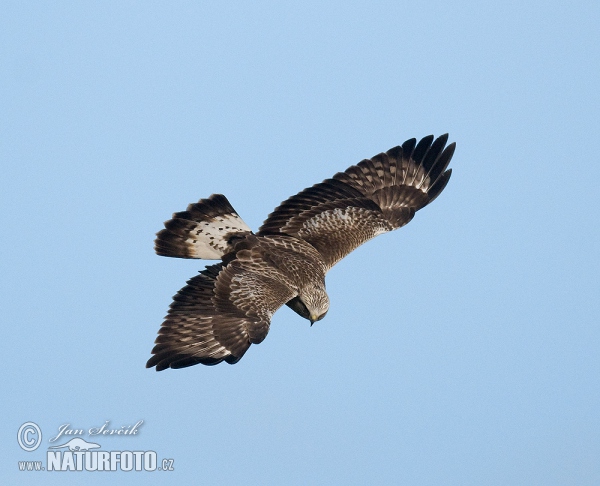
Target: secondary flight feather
{"x": 228, "y": 306}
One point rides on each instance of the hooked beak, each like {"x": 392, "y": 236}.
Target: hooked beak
{"x": 313, "y": 319}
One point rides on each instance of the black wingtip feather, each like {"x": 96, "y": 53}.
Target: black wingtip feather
{"x": 422, "y": 148}
{"x": 163, "y": 361}
{"x": 439, "y": 186}
{"x": 434, "y": 152}
{"x": 442, "y": 162}
{"x": 395, "y": 152}
{"x": 408, "y": 147}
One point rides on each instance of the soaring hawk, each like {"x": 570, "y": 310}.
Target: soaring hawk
{"x": 228, "y": 306}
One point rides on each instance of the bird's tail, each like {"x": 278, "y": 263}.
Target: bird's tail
{"x": 207, "y": 229}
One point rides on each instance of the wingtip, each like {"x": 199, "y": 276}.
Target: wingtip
{"x": 152, "y": 362}
{"x": 443, "y": 140}
{"x": 439, "y": 186}
{"x": 450, "y": 149}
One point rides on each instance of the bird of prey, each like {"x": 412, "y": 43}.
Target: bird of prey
{"x": 228, "y": 306}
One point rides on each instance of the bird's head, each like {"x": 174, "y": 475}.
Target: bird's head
{"x": 312, "y": 303}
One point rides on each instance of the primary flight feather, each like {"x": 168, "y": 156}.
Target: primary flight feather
{"x": 228, "y": 306}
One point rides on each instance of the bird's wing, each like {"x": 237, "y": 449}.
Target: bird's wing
{"x": 376, "y": 196}
{"x": 217, "y": 315}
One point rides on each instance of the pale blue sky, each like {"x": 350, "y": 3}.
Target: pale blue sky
{"x": 462, "y": 349}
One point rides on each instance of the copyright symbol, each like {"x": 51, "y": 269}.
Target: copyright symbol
{"x": 25, "y": 439}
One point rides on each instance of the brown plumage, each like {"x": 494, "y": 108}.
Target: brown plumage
{"x": 228, "y": 306}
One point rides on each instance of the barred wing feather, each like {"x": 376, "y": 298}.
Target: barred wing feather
{"x": 373, "y": 197}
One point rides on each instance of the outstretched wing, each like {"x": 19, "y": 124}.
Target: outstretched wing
{"x": 376, "y": 196}
{"x": 217, "y": 315}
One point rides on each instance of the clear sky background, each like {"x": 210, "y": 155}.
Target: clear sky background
{"x": 461, "y": 349}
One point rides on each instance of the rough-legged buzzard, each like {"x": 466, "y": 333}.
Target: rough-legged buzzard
{"x": 228, "y": 306}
